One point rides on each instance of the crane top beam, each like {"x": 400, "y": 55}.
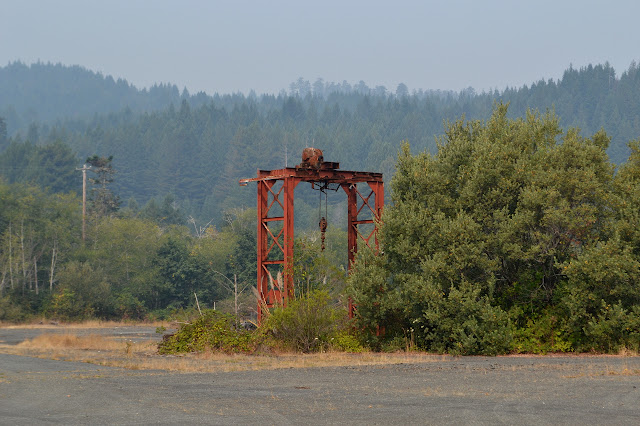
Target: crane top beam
{"x": 330, "y": 175}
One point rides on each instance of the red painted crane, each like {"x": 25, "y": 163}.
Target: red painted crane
{"x": 275, "y": 218}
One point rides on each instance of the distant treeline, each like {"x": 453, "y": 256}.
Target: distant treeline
{"x": 196, "y": 147}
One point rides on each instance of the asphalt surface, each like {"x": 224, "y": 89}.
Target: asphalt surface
{"x": 465, "y": 390}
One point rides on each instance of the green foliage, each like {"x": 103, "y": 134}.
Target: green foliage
{"x": 600, "y": 296}
{"x": 167, "y": 213}
{"x": 36, "y": 232}
{"x": 124, "y": 250}
{"x": 509, "y": 238}
{"x": 212, "y": 331}
{"x": 102, "y": 201}
{"x": 378, "y": 299}
{"x": 346, "y": 341}
{"x": 9, "y": 311}
{"x": 181, "y": 271}
{"x": 614, "y": 328}
{"x": 309, "y": 323}
{"x": 540, "y": 335}
{"x": 129, "y": 267}
{"x": 128, "y": 306}
{"x": 82, "y": 293}
{"x": 65, "y": 305}
{"x": 314, "y": 268}
{"x": 463, "y": 323}
{"x": 3, "y": 132}
{"x": 50, "y": 166}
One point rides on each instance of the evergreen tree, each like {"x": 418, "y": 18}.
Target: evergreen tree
{"x": 3, "y": 133}
{"x": 103, "y": 202}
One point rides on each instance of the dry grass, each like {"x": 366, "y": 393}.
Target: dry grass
{"x": 124, "y": 353}
{"x": 85, "y": 343}
{"x": 44, "y": 324}
{"x": 116, "y": 352}
{"x": 628, "y": 352}
{"x": 212, "y": 362}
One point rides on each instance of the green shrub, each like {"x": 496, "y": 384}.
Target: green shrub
{"x": 308, "y": 323}
{"x": 66, "y": 305}
{"x": 212, "y": 331}
{"x": 10, "y": 311}
{"x": 600, "y": 300}
{"x": 614, "y": 328}
{"x": 464, "y": 323}
{"x": 346, "y": 342}
{"x": 128, "y": 306}
{"x": 83, "y": 292}
{"x": 541, "y": 335}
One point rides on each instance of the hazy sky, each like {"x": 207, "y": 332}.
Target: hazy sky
{"x": 228, "y": 46}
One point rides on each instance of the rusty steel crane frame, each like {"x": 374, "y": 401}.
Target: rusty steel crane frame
{"x": 274, "y": 250}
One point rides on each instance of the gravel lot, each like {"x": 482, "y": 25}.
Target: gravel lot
{"x": 462, "y": 390}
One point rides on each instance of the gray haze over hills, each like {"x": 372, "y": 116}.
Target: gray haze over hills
{"x": 225, "y": 46}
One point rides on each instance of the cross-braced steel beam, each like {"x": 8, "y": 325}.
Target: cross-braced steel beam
{"x": 276, "y": 214}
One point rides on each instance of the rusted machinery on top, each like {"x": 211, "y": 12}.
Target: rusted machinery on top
{"x": 275, "y": 218}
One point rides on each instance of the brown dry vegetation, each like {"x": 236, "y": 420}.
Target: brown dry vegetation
{"x": 119, "y": 352}
{"x": 44, "y": 324}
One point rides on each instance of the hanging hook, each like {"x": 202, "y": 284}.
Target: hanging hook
{"x": 323, "y": 220}
{"x": 323, "y": 229}
{"x": 323, "y": 186}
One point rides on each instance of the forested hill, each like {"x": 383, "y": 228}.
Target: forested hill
{"x": 197, "y": 147}
{"x": 44, "y": 93}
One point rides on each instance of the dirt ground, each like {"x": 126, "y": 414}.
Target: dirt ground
{"x": 417, "y": 390}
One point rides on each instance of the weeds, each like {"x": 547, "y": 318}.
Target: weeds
{"x": 212, "y": 331}
{"x": 310, "y": 323}
{"x": 43, "y": 323}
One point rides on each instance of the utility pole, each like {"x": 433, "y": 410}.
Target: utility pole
{"x": 84, "y": 199}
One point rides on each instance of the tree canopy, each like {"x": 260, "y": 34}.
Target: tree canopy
{"x": 515, "y": 235}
